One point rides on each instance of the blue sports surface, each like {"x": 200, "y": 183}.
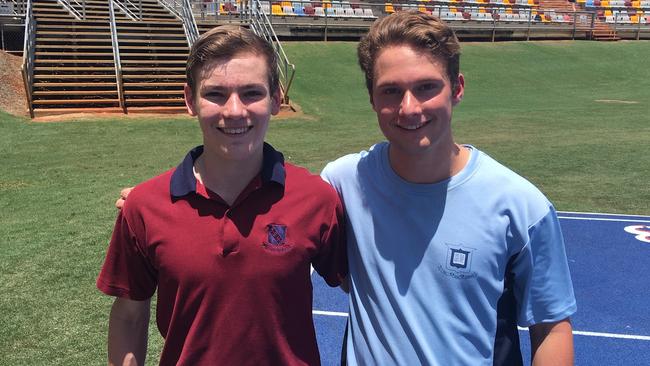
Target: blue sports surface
{"x": 609, "y": 258}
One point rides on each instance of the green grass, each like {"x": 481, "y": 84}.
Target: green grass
{"x": 532, "y": 106}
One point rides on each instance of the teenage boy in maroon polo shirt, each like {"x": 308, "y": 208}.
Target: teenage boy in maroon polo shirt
{"x": 227, "y": 238}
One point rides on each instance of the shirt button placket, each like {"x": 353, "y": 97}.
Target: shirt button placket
{"x": 230, "y": 235}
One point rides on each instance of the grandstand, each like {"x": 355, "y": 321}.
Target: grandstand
{"x": 129, "y": 55}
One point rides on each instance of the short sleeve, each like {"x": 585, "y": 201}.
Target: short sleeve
{"x": 127, "y": 272}
{"x": 542, "y": 284}
{"x": 332, "y": 261}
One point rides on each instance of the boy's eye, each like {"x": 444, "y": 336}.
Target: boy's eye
{"x": 253, "y": 93}
{"x": 390, "y": 91}
{"x": 427, "y": 87}
{"x": 214, "y": 95}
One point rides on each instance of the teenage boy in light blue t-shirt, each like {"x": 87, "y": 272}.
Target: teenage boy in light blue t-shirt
{"x": 440, "y": 233}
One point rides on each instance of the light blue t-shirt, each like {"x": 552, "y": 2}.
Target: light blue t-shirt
{"x": 427, "y": 261}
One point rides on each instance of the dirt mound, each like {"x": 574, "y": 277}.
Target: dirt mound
{"x": 12, "y": 89}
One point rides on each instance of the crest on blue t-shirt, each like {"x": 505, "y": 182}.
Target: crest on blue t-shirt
{"x": 459, "y": 260}
{"x": 277, "y": 234}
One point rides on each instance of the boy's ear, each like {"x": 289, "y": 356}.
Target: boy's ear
{"x": 459, "y": 90}
{"x": 189, "y": 100}
{"x": 276, "y": 101}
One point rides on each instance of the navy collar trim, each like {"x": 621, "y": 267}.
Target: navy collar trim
{"x": 183, "y": 180}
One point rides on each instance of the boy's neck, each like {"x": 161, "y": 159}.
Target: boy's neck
{"x": 227, "y": 178}
{"x": 430, "y": 168}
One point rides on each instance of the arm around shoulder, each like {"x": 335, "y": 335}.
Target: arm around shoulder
{"x": 552, "y": 343}
{"x": 127, "y": 332}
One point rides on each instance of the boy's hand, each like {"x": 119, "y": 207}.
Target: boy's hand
{"x": 123, "y": 194}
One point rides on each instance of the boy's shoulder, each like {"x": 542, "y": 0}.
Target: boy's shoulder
{"x": 347, "y": 165}
{"x": 303, "y": 179}
{"x": 151, "y": 191}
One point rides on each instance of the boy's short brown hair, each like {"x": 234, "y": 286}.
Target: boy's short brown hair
{"x": 225, "y": 42}
{"x": 420, "y": 31}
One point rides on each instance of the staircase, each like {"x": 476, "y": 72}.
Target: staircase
{"x": 153, "y": 52}
{"x": 603, "y": 32}
{"x": 74, "y": 66}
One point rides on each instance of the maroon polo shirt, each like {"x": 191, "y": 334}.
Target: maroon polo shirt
{"x": 233, "y": 282}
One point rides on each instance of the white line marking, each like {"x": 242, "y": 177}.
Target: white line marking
{"x": 576, "y": 332}
{"x": 329, "y": 313}
{"x": 613, "y": 335}
{"x": 600, "y": 219}
{"x": 605, "y": 335}
{"x": 598, "y": 213}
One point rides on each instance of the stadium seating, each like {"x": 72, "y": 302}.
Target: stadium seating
{"x": 287, "y": 10}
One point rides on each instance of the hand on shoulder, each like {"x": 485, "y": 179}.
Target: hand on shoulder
{"x": 124, "y": 193}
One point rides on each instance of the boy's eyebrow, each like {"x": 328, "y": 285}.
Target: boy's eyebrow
{"x": 389, "y": 83}
{"x": 224, "y": 87}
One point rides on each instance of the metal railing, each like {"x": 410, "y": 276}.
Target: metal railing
{"x": 116, "y": 56}
{"x": 260, "y": 24}
{"x": 173, "y": 6}
{"x": 132, "y": 9}
{"x": 71, "y": 6}
{"x": 13, "y": 7}
{"x": 182, "y": 9}
{"x": 27, "y": 68}
{"x": 189, "y": 23}
{"x": 124, "y": 9}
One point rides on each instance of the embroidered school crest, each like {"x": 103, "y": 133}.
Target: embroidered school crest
{"x": 458, "y": 262}
{"x": 276, "y": 238}
{"x": 458, "y": 258}
{"x": 277, "y": 234}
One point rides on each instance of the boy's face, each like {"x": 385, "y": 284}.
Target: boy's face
{"x": 413, "y": 99}
{"x": 233, "y": 104}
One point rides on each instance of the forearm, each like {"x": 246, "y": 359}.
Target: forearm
{"x": 552, "y": 344}
{"x": 127, "y": 334}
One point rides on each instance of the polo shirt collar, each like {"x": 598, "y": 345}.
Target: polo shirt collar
{"x": 183, "y": 180}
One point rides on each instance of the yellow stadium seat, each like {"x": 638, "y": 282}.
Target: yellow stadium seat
{"x": 636, "y": 4}
{"x": 608, "y": 13}
{"x": 604, "y": 3}
{"x": 276, "y": 10}
{"x": 388, "y": 8}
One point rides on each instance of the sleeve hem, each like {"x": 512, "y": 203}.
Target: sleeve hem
{"x": 554, "y": 317}
{"x": 116, "y": 291}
